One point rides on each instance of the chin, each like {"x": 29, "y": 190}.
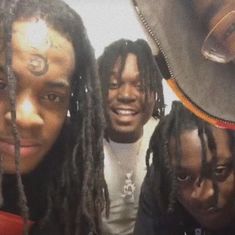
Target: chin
{"x": 25, "y": 167}
{"x": 12, "y": 170}
{"x": 214, "y": 222}
{"x": 213, "y": 226}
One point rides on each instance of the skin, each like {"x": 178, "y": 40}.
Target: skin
{"x": 198, "y": 198}
{"x": 43, "y": 90}
{"x": 217, "y": 9}
{"x": 128, "y": 107}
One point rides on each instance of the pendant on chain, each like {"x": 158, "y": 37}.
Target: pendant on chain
{"x": 128, "y": 192}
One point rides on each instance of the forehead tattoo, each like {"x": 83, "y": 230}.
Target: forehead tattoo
{"x": 38, "y": 65}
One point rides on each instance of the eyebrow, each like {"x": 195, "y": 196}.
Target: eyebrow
{"x": 183, "y": 168}
{"x": 211, "y": 11}
{"x": 57, "y": 84}
{"x": 180, "y": 168}
{"x": 220, "y": 161}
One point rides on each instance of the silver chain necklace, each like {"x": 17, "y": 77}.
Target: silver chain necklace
{"x": 129, "y": 187}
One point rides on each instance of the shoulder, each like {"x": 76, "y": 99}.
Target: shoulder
{"x": 151, "y": 123}
{"x": 151, "y": 219}
{"x": 149, "y": 128}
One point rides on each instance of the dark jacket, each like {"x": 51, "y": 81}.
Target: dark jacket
{"x": 151, "y": 221}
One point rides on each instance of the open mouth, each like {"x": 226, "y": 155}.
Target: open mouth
{"x": 125, "y": 112}
{"x": 124, "y": 116}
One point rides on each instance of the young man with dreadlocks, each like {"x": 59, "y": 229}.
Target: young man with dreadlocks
{"x": 190, "y": 187}
{"x": 51, "y": 122}
{"x": 132, "y": 90}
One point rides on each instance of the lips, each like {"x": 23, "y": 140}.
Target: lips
{"x": 206, "y": 210}
{"x": 124, "y": 115}
{"x": 125, "y": 112}
{"x": 213, "y": 210}
{"x": 27, "y": 147}
{"x": 209, "y": 215}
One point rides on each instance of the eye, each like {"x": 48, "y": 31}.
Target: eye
{"x": 52, "y": 98}
{"x": 221, "y": 171}
{"x": 183, "y": 177}
{"x": 140, "y": 86}
{"x": 113, "y": 84}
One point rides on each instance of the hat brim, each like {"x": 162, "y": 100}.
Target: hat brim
{"x": 208, "y": 86}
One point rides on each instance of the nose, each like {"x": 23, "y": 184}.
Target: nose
{"x": 204, "y": 191}
{"x": 27, "y": 115}
{"x": 127, "y": 93}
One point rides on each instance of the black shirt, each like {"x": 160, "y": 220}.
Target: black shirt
{"x": 151, "y": 221}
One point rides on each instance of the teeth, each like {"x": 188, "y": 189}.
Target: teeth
{"x": 213, "y": 209}
{"x": 125, "y": 112}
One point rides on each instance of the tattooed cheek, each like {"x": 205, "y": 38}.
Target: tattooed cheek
{"x": 38, "y": 65}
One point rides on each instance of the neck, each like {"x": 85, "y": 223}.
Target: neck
{"x": 36, "y": 184}
{"x": 125, "y": 138}
{"x": 35, "y": 190}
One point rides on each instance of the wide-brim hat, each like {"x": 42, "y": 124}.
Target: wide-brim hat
{"x": 205, "y": 87}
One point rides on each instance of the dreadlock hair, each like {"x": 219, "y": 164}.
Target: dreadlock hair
{"x": 149, "y": 71}
{"x": 162, "y": 175}
{"x": 73, "y": 188}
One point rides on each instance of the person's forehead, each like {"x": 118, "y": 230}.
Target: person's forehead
{"x": 36, "y": 37}
{"x": 222, "y": 141}
{"x": 191, "y": 147}
{"x": 37, "y": 33}
{"x": 130, "y": 61}
{"x": 120, "y": 58}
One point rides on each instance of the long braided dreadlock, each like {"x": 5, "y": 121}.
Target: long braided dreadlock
{"x": 163, "y": 175}
{"x": 149, "y": 72}
{"x": 73, "y": 186}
